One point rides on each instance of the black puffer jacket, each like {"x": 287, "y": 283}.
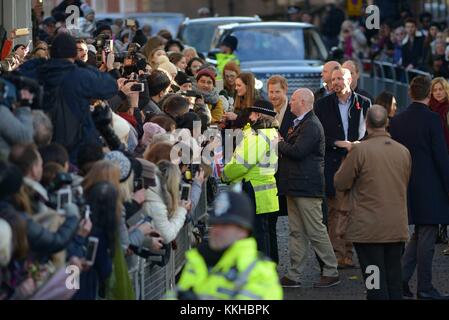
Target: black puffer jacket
{"x": 44, "y": 242}
{"x": 301, "y": 159}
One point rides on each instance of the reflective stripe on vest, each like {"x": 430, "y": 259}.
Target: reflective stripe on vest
{"x": 264, "y": 187}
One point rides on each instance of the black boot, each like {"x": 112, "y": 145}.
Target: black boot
{"x": 442, "y": 234}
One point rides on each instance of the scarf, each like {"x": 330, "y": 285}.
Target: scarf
{"x": 129, "y": 117}
{"x": 210, "y": 97}
{"x": 442, "y": 108}
{"x": 348, "y": 48}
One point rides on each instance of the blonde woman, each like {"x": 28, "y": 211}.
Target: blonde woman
{"x": 439, "y": 103}
{"x": 162, "y": 202}
{"x": 155, "y": 58}
{"x": 352, "y": 41}
{"x": 110, "y": 171}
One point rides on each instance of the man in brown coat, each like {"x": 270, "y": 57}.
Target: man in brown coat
{"x": 376, "y": 172}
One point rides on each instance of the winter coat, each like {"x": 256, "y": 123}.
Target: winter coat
{"x": 155, "y": 207}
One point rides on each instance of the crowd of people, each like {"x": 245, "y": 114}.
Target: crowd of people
{"x": 409, "y": 41}
{"x": 90, "y": 158}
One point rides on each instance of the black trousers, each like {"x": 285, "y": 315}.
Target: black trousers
{"x": 261, "y": 230}
{"x": 387, "y": 258}
{"x": 419, "y": 253}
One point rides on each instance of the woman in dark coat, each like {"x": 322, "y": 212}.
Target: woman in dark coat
{"x": 245, "y": 86}
{"x": 439, "y": 103}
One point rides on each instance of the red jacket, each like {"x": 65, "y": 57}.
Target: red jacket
{"x": 6, "y": 50}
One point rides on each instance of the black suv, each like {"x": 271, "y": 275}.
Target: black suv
{"x": 293, "y": 50}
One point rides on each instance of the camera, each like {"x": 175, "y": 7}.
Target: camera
{"x": 11, "y": 85}
{"x": 63, "y": 191}
{"x": 102, "y": 117}
{"x": 130, "y": 60}
{"x": 103, "y": 43}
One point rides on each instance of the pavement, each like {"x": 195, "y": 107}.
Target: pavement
{"x": 351, "y": 286}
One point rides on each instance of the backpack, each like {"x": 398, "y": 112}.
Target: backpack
{"x": 67, "y": 128}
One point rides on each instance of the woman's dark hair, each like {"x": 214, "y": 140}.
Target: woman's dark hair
{"x": 163, "y": 121}
{"x": 158, "y": 81}
{"x": 101, "y": 198}
{"x": 175, "y": 106}
{"x": 164, "y": 33}
{"x": 19, "y": 232}
{"x": 385, "y": 99}
{"x": 173, "y": 43}
{"x": 124, "y": 106}
{"x": 189, "y": 65}
{"x": 175, "y": 57}
{"x": 250, "y": 96}
{"x": 49, "y": 173}
{"x": 54, "y": 152}
{"x": 89, "y": 154}
{"x": 24, "y": 156}
{"x": 186, "y": 121}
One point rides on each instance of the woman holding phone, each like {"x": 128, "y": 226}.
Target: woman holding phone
{"x": 163, "y": 202}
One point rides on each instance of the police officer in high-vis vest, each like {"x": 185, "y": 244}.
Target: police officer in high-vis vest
{"x": 254, "y": 164}
{"x": 229, "y": 266}
{"x": 226, "y": 54}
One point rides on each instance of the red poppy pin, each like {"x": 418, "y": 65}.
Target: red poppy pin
{"x": 290, "y": 131}
{"x": 357, "y": 106}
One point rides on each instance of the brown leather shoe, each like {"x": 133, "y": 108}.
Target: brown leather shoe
{"x": 341, "y": 263}
{"x": 327, "y": 282}
{"x": 288, "y": 283}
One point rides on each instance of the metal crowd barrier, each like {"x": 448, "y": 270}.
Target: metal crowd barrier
{"x": 378, "y": 76}
{"x": 150, "y": 281}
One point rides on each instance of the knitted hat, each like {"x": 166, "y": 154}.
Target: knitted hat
{"x": 169, "y": 68}
{"x": 63, "y": 47}
{"x": 231, "y": 42}
{"x": 263, "y": 106}
{"x": 123, "y": 163}
{"x": 88, "y": 10}
{"x": 151, "y": 129}
{"x": 182, "y": 78}
{"x": 11, "y": 179}
{"x": 206, "y": 72}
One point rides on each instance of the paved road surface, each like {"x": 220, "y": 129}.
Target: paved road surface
{"x": 351, "y": 286}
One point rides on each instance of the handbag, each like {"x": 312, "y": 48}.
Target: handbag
{"x": 55, "y": 288}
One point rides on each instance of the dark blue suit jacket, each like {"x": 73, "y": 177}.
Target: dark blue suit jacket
{"x": 420, "y": 130}
{"x": 328, "y": 112}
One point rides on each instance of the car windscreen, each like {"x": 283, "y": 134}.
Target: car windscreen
{"x": 171, "y": 23}
{"x": 277, "y": 44}
{"x": 199, "y": 35}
